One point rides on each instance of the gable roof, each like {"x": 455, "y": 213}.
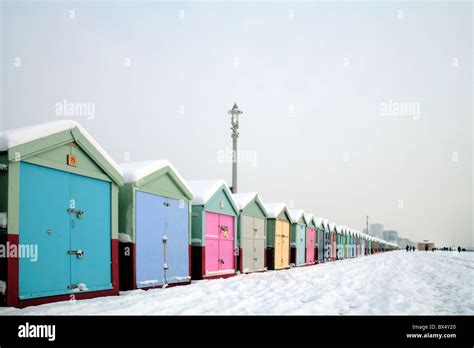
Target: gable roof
{"x": 136, "y": 171}
{"x": 10, "y": 139}
{"x": 275, "y": 209}
{"x": 245, "y": 198}
{"x": 295, "y": 215}
{"x": 309, "y": 218}
{"x": 204, "y": 190}
{"x": 319, "y": 222}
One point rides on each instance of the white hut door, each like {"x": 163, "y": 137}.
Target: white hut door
{"x": 247, "y": 244}
{"x": 259, "y": 244}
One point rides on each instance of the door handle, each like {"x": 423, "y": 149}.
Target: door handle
{"x": 221, "y": 261}
{"x": 79, "y": 213}
{"x": 79, "y": 253}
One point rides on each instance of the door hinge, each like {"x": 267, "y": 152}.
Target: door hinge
{"x": 3, "y": 167}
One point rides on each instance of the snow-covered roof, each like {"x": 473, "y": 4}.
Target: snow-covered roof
{"x": 326, "y": 223}
{"x": 274, "y": 209}
{"x": 295, "y": 215}
{"x": 339, "y": 229}
{"x": 203, "y": 190}
{"x": 309, "y": 217}
{"x": 319, "y": 222}
{"x": 332, "y": 226}
{"x": 23, "y": 135}
{"x": 134, "y": 171}
{"x": 243, "y": 199}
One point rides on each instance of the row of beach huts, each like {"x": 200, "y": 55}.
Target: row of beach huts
{"x": 74, "y": 224}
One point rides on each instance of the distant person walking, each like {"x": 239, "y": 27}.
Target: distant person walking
{"x": 407, "y": 248}
{"x": 459, "y": 249}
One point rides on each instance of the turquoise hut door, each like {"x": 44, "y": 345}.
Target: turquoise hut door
{"x": 44, "y": 224}
{"x": 90, "y": 234}
{"x": 72, "y": 248}
{"x": 300, "y": 245}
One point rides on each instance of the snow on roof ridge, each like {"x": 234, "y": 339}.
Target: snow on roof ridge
{"x": 203, "y": 190}
{"x": 244, "y": 198}
{"x": 295, "y": 214}
{"x": 23, "y": 135}
{"x": 319, "y": 221}
{"x": 308, "y": 217}
{"x": 274, "y": 209}
{"x": 134, "y": 171}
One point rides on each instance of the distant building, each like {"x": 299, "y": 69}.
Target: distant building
{"x": 426, "y": 245}
{"x": 376, "y": 230}
{"x": 403, "y": 242}
{"x": 390, "y": 236}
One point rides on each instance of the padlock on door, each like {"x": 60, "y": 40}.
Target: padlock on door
{"x": 225, "y": 231}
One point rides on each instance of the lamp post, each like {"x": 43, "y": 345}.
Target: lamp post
{"x": 234, "y": 121}
{"x": 367, "y": 224}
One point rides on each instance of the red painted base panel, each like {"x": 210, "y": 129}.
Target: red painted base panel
{"x": 12, "y": 297}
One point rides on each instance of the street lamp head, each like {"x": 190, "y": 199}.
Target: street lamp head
{"x": 235, "y": 112}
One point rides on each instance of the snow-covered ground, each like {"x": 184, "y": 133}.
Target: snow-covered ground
{"x": 392, "y": 283}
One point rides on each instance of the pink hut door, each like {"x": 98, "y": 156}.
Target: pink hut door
{"x": 310, "y": 242}
{"x": 212, "y": 242}
{"x": 226, "y": 242}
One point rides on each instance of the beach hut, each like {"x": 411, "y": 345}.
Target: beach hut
{"x": 350, "y": 244}
{"x": 356, "y": 243}
{"x": 251, "y": 232}
{"x": 334, "y": 241}
{"x": 59, "y": 202}
{"x": 154, "y": 226}
{"x": 213, "y": 226}
{"x": 353, "y": 244}
{"x": 278, "y": 236}
{"x": 343, "y": 238}
{"x": 363, "y": 250}
{"x": 327, "y": 240}
{"x": 311, "y": 239}
{"x": 321, "y": 241}
{"x": 297, "y": 237}
{"x": 339, "y": 242}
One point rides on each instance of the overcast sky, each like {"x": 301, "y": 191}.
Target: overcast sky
{"x": 349, "y": 108}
